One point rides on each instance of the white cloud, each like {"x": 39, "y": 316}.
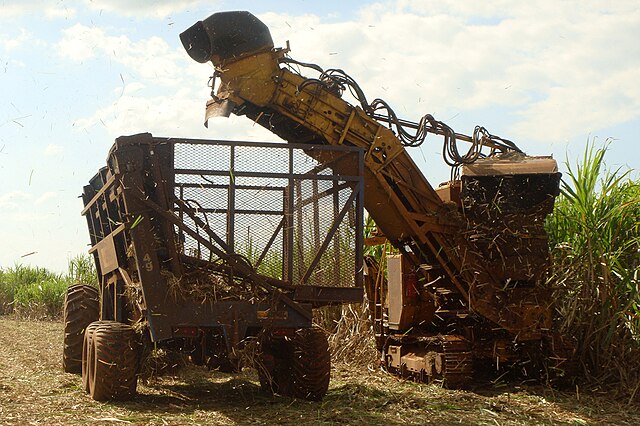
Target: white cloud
{"x": 68, "y": 9}
{"x": 23, "y": 201}
{"x": 610, "y": 100}
{"x": 42, "y": 199}
{"x": 132, "y": 88}
{"x": 145, "y": 8}
{"x": 53, "y": 150}
{"x": 13, "y": 199}
{"x": 80, "y": 42}
{"x": 178, "y": 115}
{"x": 61, "y": 13}
{"x": 9, "y": 43}
{"x": 151, "y": 59}
{"x": 11, "y": 9}
{"x": 13, "y": 63}
{"x": 53, "y": 10}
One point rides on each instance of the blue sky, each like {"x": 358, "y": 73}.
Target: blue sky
{"x": 76, "y": 74}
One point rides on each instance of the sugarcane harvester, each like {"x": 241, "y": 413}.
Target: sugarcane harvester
{"x": 467, "y": 281}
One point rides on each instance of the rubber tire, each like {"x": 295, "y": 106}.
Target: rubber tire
{"x": 299, "y": 367}
{"x": 87, "y": 358}
{"x": 81, "y": 308}
{"x": 112, "y": 361}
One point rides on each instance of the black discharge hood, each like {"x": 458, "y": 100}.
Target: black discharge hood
{"x": 225, "y": 35}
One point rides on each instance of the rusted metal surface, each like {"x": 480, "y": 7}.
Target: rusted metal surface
{"x": 457, "y": 282}
{"x": 399, "y": 197}
{"x": 405, "y": 305}
{"x": 196, "y": 234}
{"x": 444, "y": 358}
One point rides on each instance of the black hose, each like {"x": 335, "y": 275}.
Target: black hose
{"x": 337, "y": 81}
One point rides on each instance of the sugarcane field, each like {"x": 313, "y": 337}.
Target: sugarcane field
{"x": 286, "y": 213}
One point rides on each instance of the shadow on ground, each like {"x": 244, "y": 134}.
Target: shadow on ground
{"x": 370, "y": 398}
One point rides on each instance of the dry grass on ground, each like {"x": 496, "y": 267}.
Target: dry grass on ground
{"x": 34, "y": 390}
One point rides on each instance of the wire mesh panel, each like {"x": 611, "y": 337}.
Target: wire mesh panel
{"x": 293, "y": 211}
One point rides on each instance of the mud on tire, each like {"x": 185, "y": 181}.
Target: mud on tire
{"x": 299, "y": 367}
{"x": 81, "y": 308}
{"x": 87, "y": 358}
{"x": 112, "y": 361}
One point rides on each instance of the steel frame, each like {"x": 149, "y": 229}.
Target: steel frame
{"x": 134, "y": 209}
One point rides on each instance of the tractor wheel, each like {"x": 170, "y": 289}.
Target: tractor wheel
{"x": 112, "y": 361}
{"x": 299, "y": 367}
{"x": 87, "y": 354}
{"x": 81, "y": 308}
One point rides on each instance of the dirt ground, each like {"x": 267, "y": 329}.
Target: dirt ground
{"x": 35, "y": 390}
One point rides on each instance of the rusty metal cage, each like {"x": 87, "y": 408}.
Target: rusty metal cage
{"x": 291, "y": 215}
{"x": 204, "y": 225}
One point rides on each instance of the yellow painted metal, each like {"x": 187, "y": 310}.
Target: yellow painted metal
{"x": 398, "y": 196}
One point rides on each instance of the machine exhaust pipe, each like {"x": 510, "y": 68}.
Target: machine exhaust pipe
{"x": 226, "y": 35}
